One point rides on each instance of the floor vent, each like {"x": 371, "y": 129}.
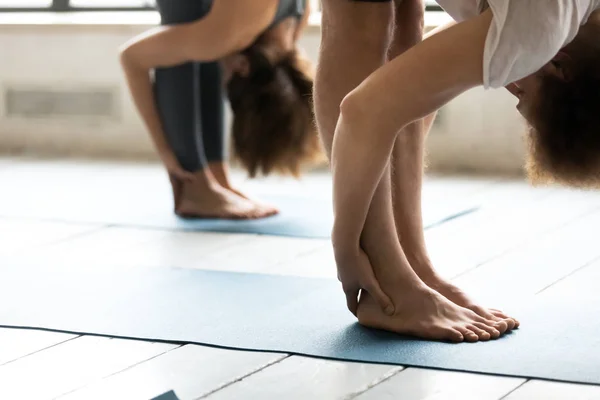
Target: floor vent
{"x": 35, "y": 103}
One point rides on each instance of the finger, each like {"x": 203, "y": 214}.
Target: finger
{"x": 372, "y": 286}
{"x": 352, "y": 301}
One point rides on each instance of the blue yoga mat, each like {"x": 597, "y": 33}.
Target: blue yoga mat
{"x": 300, "y": 216}
{"x": 559, "y": 339}
{"x": 171, "y": 395}
{"x": 141, "y": 198}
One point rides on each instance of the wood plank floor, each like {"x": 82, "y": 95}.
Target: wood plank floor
{"x": 549, "y": 231}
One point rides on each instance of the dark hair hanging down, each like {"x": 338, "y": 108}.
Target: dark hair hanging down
{"x": 564, "y": 136}
{"x": 273, "y": 127}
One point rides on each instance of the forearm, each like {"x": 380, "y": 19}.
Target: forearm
{"x": 303, "y": 23}
{"x": 140, "y": 87}
{"x": 409, "y": 88}
{"x": 361, "y": 152}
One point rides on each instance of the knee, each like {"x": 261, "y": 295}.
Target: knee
{"x": 410, "y": 13}
{"x": 409, "y": 18}
{"x": 361, "y": 25}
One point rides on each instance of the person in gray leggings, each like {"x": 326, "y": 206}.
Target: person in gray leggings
{"x": 202, "y": 48}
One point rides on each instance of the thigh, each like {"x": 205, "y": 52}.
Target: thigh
{"x": 409, "y": 21}
{"x": 355, "y": 38}
{"x": 182, "y": 11}
{"x": 358, "y": 19}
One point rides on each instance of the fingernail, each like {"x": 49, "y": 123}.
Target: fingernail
{"x": 389, "y": 310}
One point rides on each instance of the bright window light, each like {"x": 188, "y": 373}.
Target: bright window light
{"x": 111, "y": 3}
{"x": 25, "y": 3}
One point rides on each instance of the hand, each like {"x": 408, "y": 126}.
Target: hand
{"x": 172, "y": 165}
{"x": 356, "y": 274}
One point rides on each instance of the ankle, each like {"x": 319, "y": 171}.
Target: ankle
{"x": 420, "y": 262}
{"x": 406, "y": 289}
{"x": 400, "y": 281}
{"x": 221, "y": 181}
{"x": 431, "y": 279}
{"x": 204, "y": 183}
{"x": 423, "y": 267}
{"x": 219, "y": 172}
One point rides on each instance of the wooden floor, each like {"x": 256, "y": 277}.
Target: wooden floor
{"x": 551, "y": 232}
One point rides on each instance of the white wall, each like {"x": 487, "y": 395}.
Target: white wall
{"x": 478, "y": 130}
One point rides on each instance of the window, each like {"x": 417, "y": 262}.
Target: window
{"x": 430, "y": 4}
{"x": 112, "y": 5}
{"x": 25, "y": 3}
{"x": 75, "y": 5}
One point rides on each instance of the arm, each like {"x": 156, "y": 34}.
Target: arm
{"x": 410, "y": 87}
{"x": 303, "y": 23}
{"x": 173, "y": 45}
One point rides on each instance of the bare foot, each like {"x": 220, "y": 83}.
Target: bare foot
{"x": 426, "y": 314}
{"x": 214, "y": 201}
{"x": 457, "y": 296}
{"x": 257, "y": 203}
{"x": 221, "y": 173}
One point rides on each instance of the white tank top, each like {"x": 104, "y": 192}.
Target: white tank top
{"x": 524, "y": 34}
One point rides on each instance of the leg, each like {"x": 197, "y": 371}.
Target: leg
{"x": 407, "y": 175}
{"x": 179, "y": 103}
{"x": 212, "y": 110}
{"x": 213, "y": 119}
{"x": 176, "y": 100}
{"x": 354, "y": 41}
{"x": 176, "y": 104}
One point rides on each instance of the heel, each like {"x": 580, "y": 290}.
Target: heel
{"x": 176, "y": 187}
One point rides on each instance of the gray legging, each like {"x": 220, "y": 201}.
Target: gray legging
{"x": 190, "y": 97}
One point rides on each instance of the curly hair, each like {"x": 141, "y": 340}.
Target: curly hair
{"x": 273, "y": 126}
{"x": 564, "y": 135}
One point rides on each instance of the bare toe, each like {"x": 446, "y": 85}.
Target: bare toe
{"x": 500, "y": 324}
{"x": 270, "y": 211}
{"x": 455, "y": 336}
{"x": 496, "y": 315}
{"x": 482, "y": 312}
{"x": 481, "y": 333}
{"x": 469, "y": 335}
{"x": 458, "y": 297}
{"x": 494, "y": 333}
{"x": 442, "y": 332}
{"x": 511, "y": 322}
